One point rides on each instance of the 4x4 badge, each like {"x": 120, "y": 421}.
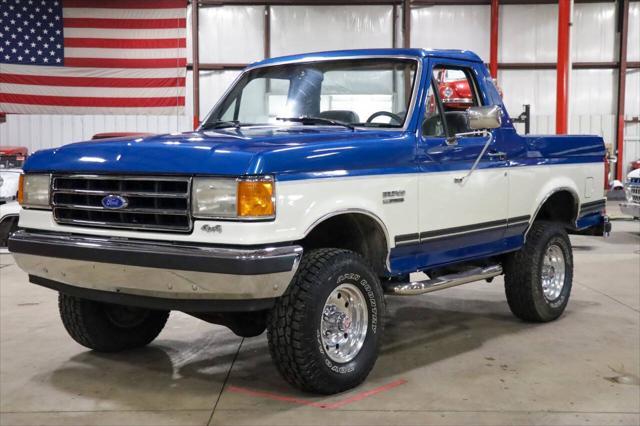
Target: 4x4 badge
{"x": 214, "y": 228}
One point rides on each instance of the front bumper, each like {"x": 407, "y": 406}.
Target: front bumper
{"x": 631, "y": 209}
{"x": 174, "y": 273}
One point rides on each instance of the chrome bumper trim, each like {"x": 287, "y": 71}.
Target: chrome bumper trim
{"x": 157, "y": 254}
{"x": 157, "y": 269}
{"x": 631, "y": 209}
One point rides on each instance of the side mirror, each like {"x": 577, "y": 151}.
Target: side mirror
{"x": 484, "y": 117}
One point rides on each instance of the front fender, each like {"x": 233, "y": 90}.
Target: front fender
{"x": 300, "y": 206}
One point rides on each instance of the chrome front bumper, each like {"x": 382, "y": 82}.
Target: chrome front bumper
{"x": 155, "y": 269}
{"x": 631, "y": 209}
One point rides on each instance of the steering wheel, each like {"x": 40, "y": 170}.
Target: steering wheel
{"x": 392, "y": 116}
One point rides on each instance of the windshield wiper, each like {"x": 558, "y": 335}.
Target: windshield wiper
{"x": 220, "y": 124}
{"x": 306, "y": 119}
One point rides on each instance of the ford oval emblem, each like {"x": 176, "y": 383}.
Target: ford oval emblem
{"x": 114, "y": 202}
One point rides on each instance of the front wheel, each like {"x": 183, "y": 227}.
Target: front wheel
{"x": 538, "y": 278}
{"x": 325, "y": 332}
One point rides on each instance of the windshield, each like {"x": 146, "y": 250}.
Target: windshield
{"x": 357, "y": 92}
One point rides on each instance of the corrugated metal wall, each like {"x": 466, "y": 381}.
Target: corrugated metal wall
{"x": 234, "y": 34}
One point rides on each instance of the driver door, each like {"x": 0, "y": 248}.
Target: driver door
{"x": 458, "y": 220}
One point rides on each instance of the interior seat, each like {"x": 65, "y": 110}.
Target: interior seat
{"x": 457, "y": 122}
{"x": 345, "y": 116}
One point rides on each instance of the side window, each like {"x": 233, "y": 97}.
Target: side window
{"x": 229, "y": 114}
{"x": 454, "y": 90}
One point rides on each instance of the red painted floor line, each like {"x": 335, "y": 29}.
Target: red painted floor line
{"x": 362, "y": 395}
{"x": 275, "y": 397}
{"x": 341, "y": 403}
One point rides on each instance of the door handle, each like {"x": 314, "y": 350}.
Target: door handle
{"x": 497, "y": 155}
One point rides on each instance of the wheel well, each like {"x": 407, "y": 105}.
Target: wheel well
{"x": 351, "y": 231}
{"x": 560, "y": 207}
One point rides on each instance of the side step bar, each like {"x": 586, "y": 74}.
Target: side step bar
{"x": 444, "y": 281}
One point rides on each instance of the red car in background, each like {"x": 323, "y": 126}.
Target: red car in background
{"x": 12, "y": 157}
{"x": 454, "y": 89}
{"x": 110, "y": 135}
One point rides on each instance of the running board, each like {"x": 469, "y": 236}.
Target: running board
{"x": 444, "y": 281}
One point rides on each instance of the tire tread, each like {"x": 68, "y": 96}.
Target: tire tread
{"x": 521, "y": 272}
{"x": 286, "y": 324}
{"x": 87, "y": 324}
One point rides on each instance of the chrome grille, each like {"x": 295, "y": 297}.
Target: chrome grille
{"x": 153, "y": 202}
{"x": 635, "y": 194}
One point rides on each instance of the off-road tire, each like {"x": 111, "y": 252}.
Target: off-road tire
{"x": 523, "y": 274}
{"x": 89, "y": 323}
{"x": 293, "y": 325}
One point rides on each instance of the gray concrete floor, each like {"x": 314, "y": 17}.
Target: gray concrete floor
{"x": 455, "y": 357}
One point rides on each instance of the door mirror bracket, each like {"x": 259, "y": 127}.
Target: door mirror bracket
{"x": 489, "y": 136}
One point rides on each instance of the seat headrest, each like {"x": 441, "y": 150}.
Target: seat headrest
{"x": 341, "y": 115}
{"x": 457, "y": 121}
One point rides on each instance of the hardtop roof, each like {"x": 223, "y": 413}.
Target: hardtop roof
{"x": 466, "y": 55}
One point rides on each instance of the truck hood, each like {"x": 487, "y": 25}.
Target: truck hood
{"x": 634, "y": 174}
{"x": 232, "y": 152}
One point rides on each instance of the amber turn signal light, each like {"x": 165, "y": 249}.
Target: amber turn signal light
{"x": 21, "y": 189}
{"x": 255, "y": 199}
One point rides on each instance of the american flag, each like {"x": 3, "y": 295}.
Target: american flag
{"x": 92, "y": 56}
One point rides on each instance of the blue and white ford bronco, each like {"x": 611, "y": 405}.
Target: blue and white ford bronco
{"x": 313, "y": 188}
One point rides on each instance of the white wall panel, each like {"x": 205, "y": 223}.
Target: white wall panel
{"x": 189, "y": 48}
{"x": 300, "y": 29}
{"x": 452, "y": 27}
{"x": 533, "y": 87}
{"x": 593, "y": 103}
{"x": 592, "y": 91}
{"x": 188, "y": 99}
{"x": 633, "y": 43}
{"x": 632, "y": 109}
{"x": 593, "y": 32}
{"x": 632, "y": 93}
{"x": 528, "y": 33}
{"x": 232, "y": 34}
{"x": 592, "y": 109}
{"x": 47, "y": 131}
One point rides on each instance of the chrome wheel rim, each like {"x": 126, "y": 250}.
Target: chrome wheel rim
{"x": 553, "y": 272}
{"x": 344, "y": 323}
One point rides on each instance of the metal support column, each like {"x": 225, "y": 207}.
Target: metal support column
{"x": 196, "y": 63}
{"x": 623, "y": 27}
{"x": 564, "y": 67}
{"x": 493, "y": 54}
{"x": 267, "y": 32}
{"x": 406, "y": 24}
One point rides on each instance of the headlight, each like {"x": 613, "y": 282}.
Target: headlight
{"x": 627, "y": 192}
{"x": 33, "y": 191}
{"x": 224, "y": 198}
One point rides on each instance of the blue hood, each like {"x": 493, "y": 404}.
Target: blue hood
{"x": 293, "y": 151}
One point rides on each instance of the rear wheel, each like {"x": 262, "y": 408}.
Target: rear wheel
{"x": 107, "y": 327}
{"x": 325, "y": 331}
{"x": 538, "y": 278}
